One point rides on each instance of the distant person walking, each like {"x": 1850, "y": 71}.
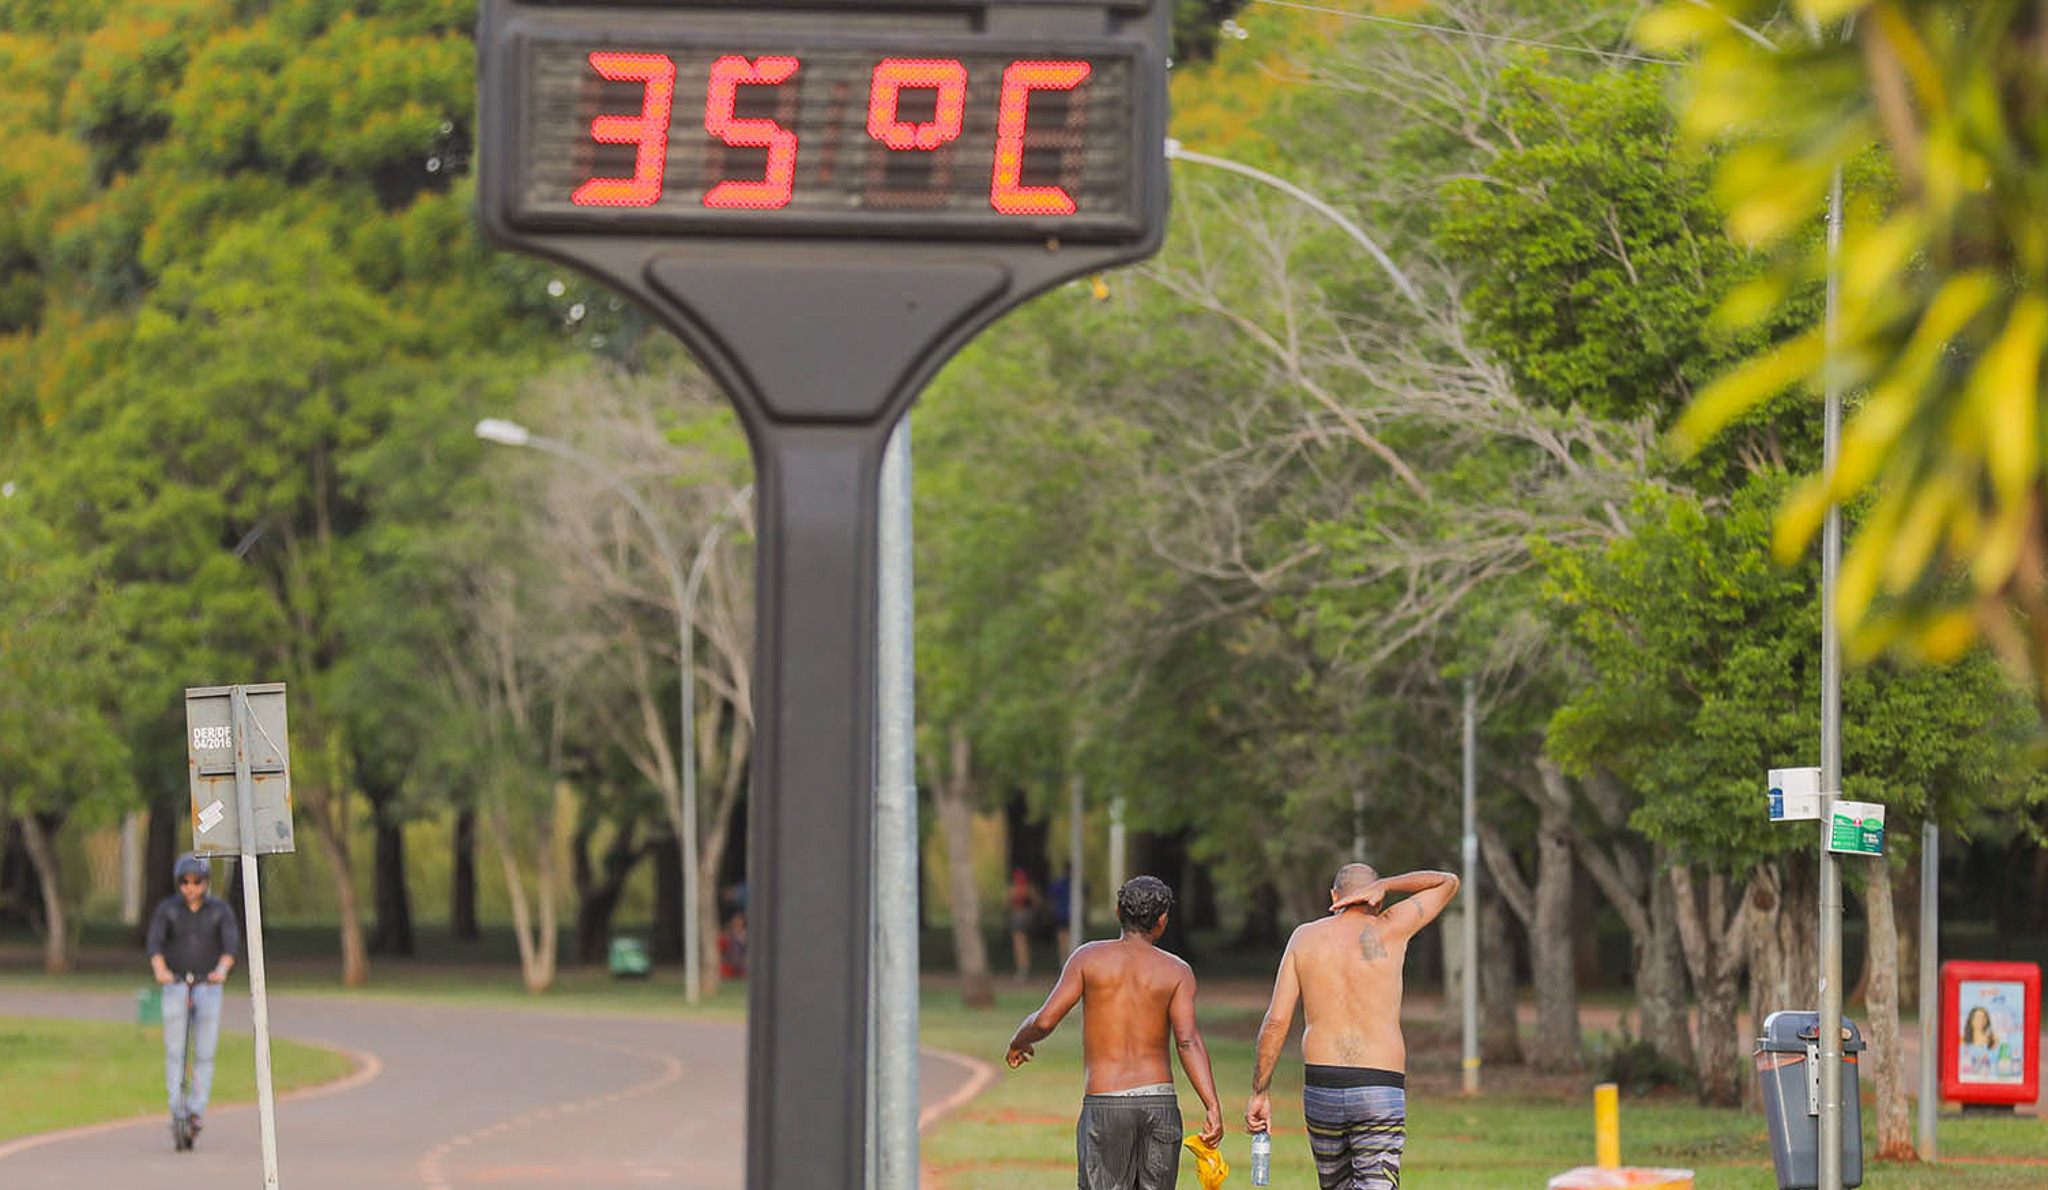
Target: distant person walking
{"x": 1022, "y": 901}
{"x": 192, "y": 934}
{"x": 1136, "y": 996}
{"x": 1059, "y": 898}
{"x": 1346, "y": 971}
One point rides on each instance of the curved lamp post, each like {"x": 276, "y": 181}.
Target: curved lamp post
{"x": 511, "y": 433}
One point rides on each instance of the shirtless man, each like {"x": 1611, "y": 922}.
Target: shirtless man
{"x": 1128, "y": 1136}
{"x": 1346, "y": 970}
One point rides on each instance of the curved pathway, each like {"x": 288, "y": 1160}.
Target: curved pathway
{"x": 452, "y": 1098}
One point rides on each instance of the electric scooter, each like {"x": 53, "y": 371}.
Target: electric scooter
{"x": 181, "y": 1119}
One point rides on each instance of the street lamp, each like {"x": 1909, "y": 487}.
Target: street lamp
{"x": 511, "y": 433}
{"x": 1469, "y": 992}
{"x": 1175, "y": 151}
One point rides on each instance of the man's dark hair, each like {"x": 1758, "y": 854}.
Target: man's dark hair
{"x": 1142, "y": 901}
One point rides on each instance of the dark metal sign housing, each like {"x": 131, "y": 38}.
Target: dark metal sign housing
{"x": 824, "y": 201}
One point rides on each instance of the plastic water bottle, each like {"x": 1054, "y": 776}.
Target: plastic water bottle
{"x": 1262, "y": 1157}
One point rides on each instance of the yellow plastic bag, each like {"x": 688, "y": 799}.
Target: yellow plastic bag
{"x": 1210, "y": 1167}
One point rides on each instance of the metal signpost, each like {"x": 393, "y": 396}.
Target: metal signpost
{"x": 239, "y": 758}
{"x": 824, "y": 202}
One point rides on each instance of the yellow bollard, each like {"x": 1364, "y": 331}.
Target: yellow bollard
{"x": 1607, "y": 1125}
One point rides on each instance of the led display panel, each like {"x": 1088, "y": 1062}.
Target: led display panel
{"x": 921, "y": 138}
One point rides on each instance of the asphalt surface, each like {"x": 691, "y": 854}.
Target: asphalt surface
{"x": 448, "y": 1098}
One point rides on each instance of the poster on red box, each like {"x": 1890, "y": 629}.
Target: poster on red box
{"x": 1991, "y": 1032}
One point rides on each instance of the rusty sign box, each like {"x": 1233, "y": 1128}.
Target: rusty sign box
{"x": 211, "y": 740}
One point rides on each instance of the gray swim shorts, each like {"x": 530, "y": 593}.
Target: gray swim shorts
{"x": 1128, "y": 1142}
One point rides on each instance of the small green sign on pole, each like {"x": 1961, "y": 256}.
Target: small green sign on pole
{"x": 1857, "y": 828}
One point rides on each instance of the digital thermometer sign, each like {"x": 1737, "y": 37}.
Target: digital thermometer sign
{"x": 824, "y": 200}
{"x": 723, "y": 134}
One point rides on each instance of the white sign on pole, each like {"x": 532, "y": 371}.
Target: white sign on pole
{"x": 1795, "y": 795}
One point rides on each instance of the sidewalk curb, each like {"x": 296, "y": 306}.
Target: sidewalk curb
{"x": 979, "y": 1075}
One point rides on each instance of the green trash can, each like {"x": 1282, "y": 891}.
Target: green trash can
{"x": 629, "y": 958}
{"x": 149, "y": 1005}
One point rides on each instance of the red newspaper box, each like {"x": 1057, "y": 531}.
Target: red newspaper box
{"x": 1990, "y": 1032}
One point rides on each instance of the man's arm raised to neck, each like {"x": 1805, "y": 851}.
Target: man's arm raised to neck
{"x": 1428, "y": 893}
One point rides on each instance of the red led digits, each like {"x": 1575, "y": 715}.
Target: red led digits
{"x": 1006, "y": 191}
{"x": 891, "y": 76}
{"x": 648, "y": 130}
{"x": 728, "y": 75}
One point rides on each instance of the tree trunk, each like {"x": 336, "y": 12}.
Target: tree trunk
{"x": 731, "y": 790}
{"x": 1770, "y": 988}
{"x": 35, "y": 838}
{"x": 1199, "y": 898}
{"x": 666, "y": 943}
{"x": 1906, "y": 915}
{"x": 536, "y": 940}
{"x": 1552, "y": 930}
{"x": 597, "y": 896}
{"x": 462, "y": 878}
{"x": 1500, "y": 1034}
{"x": 1557, "y": 1046}
{"x": 329, "y": 826}
{"x": 1887, "y": 1053}
{"x": 160, "y": 855}
{"x": 950, "y": 792}
{"x": 1626, "y": 873}
{"x": 1660, "y": 975}
{"x": 1165, "y": 855}
{"x": 1716, "y": 951}
{"x": 1261, "y": 929}
{"x": 394, "y": 901}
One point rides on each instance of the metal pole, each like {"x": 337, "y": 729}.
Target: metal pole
{"x": 892, "y": 1119}
{"x": 686, "y": 765}
{"x": 1116, "y": 850}
{"x": 810, "y": 822}
{"x": 1077, "y": 911}
{"x": 1830, "y": 1165}
{"x": 252, "y": 909}
{"x": 1469, "y": 853}
{"x": 1930, "y": 993}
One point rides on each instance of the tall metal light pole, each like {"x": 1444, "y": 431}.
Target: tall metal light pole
{"x": 1830, "y": 1164}
{"x": 1469, "y": 855}
{"x": 511, "y": 433}
{"x": 893, "y": 1023}
{"x": 1175, "y": 151}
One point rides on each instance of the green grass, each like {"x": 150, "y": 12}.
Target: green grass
{"x": 1020, "y": 1134}
{"x": 63, "y": 1073}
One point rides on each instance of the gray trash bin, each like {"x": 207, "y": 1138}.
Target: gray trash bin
{"x": 1788, "y": 1072}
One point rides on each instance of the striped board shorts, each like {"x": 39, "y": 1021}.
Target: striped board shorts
{"x": 1357, "y": 1122}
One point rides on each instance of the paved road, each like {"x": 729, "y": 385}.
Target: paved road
{"x": 450, "y": 1099}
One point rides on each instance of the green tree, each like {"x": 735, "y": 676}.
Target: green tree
{"x": 1944, "y": 291}
{"x": 61, "y": 755}
{"x": 1702, "y": 672}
